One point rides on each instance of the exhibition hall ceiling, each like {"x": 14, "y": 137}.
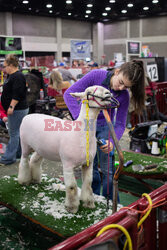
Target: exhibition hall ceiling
{"x": 90, "y": 10}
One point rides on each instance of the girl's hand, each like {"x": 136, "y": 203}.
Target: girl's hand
{"x": 104, "y": 148}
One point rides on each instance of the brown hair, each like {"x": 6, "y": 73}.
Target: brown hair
{"x": 56, "y": 79}
{"x": 12, "y": 60}
{"x": 134, "y": 71}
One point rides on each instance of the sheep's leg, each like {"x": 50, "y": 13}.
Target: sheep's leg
{"x": 86, "y": 192}
{"x": 72, "y": 199}
{"x": 24, "y": 175}
{"x": 35, "y": 165}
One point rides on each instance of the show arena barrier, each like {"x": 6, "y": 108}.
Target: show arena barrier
{"x": 148, "y": 232}
{"x": 161, "y": 96}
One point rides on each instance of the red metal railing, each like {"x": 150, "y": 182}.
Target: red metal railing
{"x": 162, "y": 218}
{"x": 153, "y": 233}
{"x": 161, "y": 96}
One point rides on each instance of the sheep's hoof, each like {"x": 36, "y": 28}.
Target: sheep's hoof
{"x": 71, "y": 210}
{"x": 25, "y": 183}
{"x": 37, "y": 181}
{"x": 89, "y": 204}
{"x": 24, "y": 177}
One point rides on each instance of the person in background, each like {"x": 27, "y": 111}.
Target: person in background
{"x": 3, "y": 116}
{"x": 56, "y": 81}
{"x": 129, "y": 75}
{"x": 39, "y": 74}
{"x": 94, "y": 66}
{"x": 33, "y": 84}
{"x": 67, "y": 76}
{"x": 111, "y": 64}
{"x": 14, "y": 102}
{"x": 75, "y": 63}
{"x": 81, "y": 63}
{"x": 56, "y": 89}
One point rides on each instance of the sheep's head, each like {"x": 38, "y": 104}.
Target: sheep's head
{"x": 98, "y": 97}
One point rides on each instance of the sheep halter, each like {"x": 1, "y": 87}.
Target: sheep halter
{"x": 87, "y": 131}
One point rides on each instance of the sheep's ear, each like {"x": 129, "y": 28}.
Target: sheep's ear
{"x": 79, "y": 95}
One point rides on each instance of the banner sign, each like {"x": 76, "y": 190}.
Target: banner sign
{"x": 133, "y": 47}
{"x": 10, "y": 45}
{"x": 80, "y": 49}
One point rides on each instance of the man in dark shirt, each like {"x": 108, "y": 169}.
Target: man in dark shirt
{"x": 14, "y": 88}
{"x": 14, "y": 102}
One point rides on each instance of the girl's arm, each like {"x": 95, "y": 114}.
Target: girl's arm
{"x": 121, "y": 116}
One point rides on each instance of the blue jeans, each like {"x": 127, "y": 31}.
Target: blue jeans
{"x": 102, "y": 158}
{"x": 14, "y": 122}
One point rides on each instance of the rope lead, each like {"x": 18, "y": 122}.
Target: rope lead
{"x": 87, "y": 131}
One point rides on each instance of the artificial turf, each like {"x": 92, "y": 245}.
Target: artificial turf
{"x": 144, "y": 159}
{"x": 18, "y": 232}
{"x": 44, "y": 203}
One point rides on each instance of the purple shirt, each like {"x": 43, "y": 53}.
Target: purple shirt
{"x": 102, "y": 78}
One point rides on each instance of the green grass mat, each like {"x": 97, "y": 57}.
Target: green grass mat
{"x": 19, "y": 233}
{"x": 144, "y": 160}
{"x": 45, "y": 203}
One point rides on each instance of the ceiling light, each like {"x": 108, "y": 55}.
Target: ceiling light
{"x": 69, "y": 14}
{"x": 145, "y": 8}
{"x": 68, "y": 2}
{"x": 130, "y": 5}
{"x": 86, "y": 16}
{"x": 155, "y": 1}
{"x": 29, "y": 8}
{"x": 88, "y": 11}
{"x": 112, "y": 1}
{"x": 49, "y": 5}
{"x": 104, "y": 14}
{"x": 89, "y": 5}
{"x": 124, "y": 11}
{"x": 107, "y": 8}
{"x": 50, "y": 11}
{"x": 25, "y": 2}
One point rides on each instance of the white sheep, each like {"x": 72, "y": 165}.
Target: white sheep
{"x": 55, "y": 139}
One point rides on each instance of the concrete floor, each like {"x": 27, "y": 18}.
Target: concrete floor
{"x": 54, "y": 169}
